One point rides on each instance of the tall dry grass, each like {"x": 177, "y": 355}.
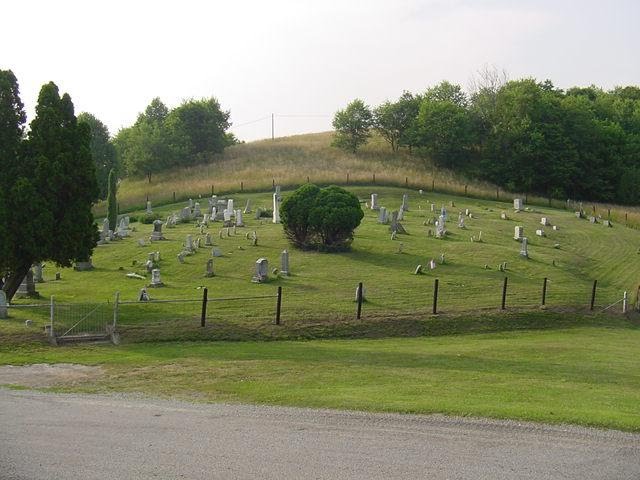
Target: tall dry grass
{"x": 292, "y": 161}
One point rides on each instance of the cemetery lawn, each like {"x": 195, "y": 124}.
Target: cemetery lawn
{"x": 587, "y": 375}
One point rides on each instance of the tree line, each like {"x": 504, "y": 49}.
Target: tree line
{"x": 523, "y": 135}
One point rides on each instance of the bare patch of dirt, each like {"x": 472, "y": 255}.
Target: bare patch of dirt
{"x": 48, "y": 375}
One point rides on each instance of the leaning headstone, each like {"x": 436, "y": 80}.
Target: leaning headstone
{"x": 374, "y": 202}
{"x": 155, "y": 278}
{"x": 239, "y": 222}
{"x": 157, "y": 230}
{"x": 518, "y": 233}
{"x": 276, "y": 207}
{"x": 524, "y": 251}
{"x": 209, "y": 273}
{"x": 247, "y": 207}
{"x": 418, "y": 270}
{"x": 518, "y": 204}
{"x": 284, "y": 263}
{"x": 396, "y": 226}
{"x": 4, "y": 311}
{"x": 262, "y": 270}
{"x": 181, "y": 256}
{"x": 27, "y": 286}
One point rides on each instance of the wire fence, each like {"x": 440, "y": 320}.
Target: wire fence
{"x": 439, "y": 296}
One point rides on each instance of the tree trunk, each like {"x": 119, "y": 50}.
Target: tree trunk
{"x": 14, "y": 280}
{"x": 148, "y": 177}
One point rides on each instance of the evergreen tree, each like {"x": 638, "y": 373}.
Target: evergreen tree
{"x": 112, "y": 206}
{"x": 102, "y": 151}
{"x": 49, "y": 213}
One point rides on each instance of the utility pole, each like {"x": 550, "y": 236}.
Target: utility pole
{"x": 272, "y": 130}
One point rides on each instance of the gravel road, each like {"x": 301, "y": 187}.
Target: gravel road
{"x": 54, "y": 436}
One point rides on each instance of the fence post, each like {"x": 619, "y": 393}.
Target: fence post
{"x": 174, "y": 197}
{"x": 624, "y": 302}
{"x": 593, "y": 294}
{"x": 504, "y": 293}
{"x": 242, "y": 186}
{"x": 359, "y": 300}
{"x": 347, "y": 178}
{"x": 51, "y": 315}
{"x": 465, "y": 190}
{"x": 433, "y": 185}
{"x": 374, "y": 178}
{"x": 116, "y": 301}
{"x": 203, "y": 317}
{"x": 278, "y": 305}
{"x": 406, "y": 181}
{"x": 435, "y": 297}
{"x": 544, "y": 291}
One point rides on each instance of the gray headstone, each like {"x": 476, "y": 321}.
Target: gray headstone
{"x": 524, "y": 251}
{"x": 284, "y": 263}
{"x": 3, "y": 305}
{"x": 157, "y": 230}
{"x": 155, "y": 278}
{"x": 209, "y": 272}
{"x": 262, "y": 270}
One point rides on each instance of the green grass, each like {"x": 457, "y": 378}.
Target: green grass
{"x": 322, "y": 286}
{"x": 586, "y": 375}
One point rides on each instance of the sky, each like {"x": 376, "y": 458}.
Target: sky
{"x": 303, "y": 60}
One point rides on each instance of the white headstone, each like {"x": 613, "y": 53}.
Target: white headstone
{"x": 518, "y": 204}
{"x": 247, "y": 207}
{"x": 518, "y": 233}
{"x": 149, "y": 211}
{"x": 545, "y": 221}
{"x": 276, "y": 207}
{"x": 196, "y": 210}
{"x": 374, "y": 202}
{"x": 405, "y": 202}
{"x": 155, "y": 278}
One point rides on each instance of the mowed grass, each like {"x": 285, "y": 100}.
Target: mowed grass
{"x": 322, "y": 286}
{"x": 586, "y": 375}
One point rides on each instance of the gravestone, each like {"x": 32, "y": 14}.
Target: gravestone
{"x": 155, "y": 278}
{"x": 519, "y": 231}
{"x": 258, "y": 213}
{"x": 104, "y": 233}
{"x": 143, "y": 296}
{"x": 382, "y": 215}
{"x": 524, "y": 251}
{"x": 276, "y": 207}
{"x": 149, "y": 211}
{"x": 555, "y": 227}
{"x": 149, "y": 266}
{"x": 461, "y": 222}
{"x": 284, "y": 263}
{"x": 374, "y": 202}
{"x": 540, "y": 233}
{"x": 405, "y": 202}
{"x": 207, "y": 240}
{"x": 188, "y": 244}
{"x": 432, "y": 264}
{"x": 185, "y": 214}
{"x": 216, "y": 252}
{"x": 400, "y": 215}
{"x": 441, "y": 230}
{"x": 418, "y": 270}
{"x": 239, "y": 222}
{"x": 196, "y": 244}
{"x": 254, "y": 239}
{"x": 261, "y": 274}
{"x": 141, "y": 242}
{"x": 518, "y": 204}
{"x": 433, "y": 207}
{"x": 4, "y": 311}
{"x": 196, "y": 210}
{"x": 394, "y": 235}
{"x": 205, "y": 219}
{"x": 214, "y": 214}
{"x": 37, "y": 273}
{"x": 545, "y": 221}
{"x": 467, "y": 212}
{"x": 593, "y": 220}
{"x": 27, "y": 286}
{"x": 157, "y": 231}
{"x": 230, "y": 205}
{"x": 607, "y": 223}
{"x": 226, "y": 217}
{"x": 247, "y": 207}
{"x": 396, "y": 226}
{"x": 156, "y": 257}
{"x": 123, "y": 227}
{"x": 503, "y": 216}
{"x": 443, "y": 213}
{"x": 181, "y": 256}
{"x": 209, "y": 272}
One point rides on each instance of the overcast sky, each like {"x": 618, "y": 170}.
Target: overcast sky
{"x": 303, "y": 60}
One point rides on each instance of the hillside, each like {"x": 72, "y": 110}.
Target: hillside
{"x": 291, "y": 161}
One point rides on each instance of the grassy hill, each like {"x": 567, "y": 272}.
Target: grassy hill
{"x": 322, "y": 286}
{"x": 290, "y": 161}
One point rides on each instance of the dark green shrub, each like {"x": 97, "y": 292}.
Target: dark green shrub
{"x": 148, "y": 218}
{"x": 321, "y": 218}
